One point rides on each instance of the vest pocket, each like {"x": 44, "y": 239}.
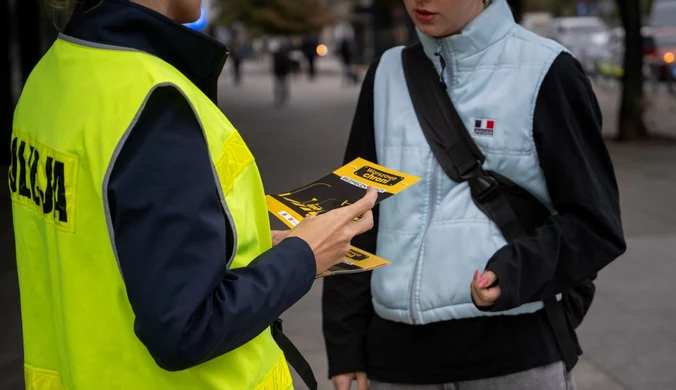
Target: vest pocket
{"x": 279, "y": 378}
{"x": 40, "y": 379}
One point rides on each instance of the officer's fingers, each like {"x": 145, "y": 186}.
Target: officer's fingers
{"x": 364, "y": 224}
{"x": 362, "y": 205}
{"x": 362, "y": 381}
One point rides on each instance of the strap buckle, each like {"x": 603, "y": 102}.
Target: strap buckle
{"x": 481, "y": 184}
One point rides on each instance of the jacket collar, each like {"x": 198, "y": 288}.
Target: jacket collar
{"x": 491, "y": 26}
{"x": 126, "y": 24}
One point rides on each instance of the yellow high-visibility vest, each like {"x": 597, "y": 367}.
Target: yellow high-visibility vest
{"x": 74, "y": 114}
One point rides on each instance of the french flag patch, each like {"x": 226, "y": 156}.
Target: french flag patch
{"x": 484, "y": 127}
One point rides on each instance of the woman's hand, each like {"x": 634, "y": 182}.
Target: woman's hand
{"x": 279, "y": 236}
{"x": 329, "y": 234}
{"x": 344, "y": 381}
{"x": 485, "y": 290}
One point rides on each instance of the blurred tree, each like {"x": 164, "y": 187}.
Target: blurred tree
{"x": 631, "y": 123}
{"x": 517, "y": 8}
{"x": 276, "y": 16}
{"x": 562, "y": 7}
{"x": 646, "y": 5}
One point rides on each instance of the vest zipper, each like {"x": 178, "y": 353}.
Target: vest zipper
{"x": 431, "y": 201}
{"x": 445, "y": 72}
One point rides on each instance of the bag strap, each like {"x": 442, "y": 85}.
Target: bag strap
{"x": 455, "y": 150}
{"x": 557, "y": 318}
{"x": 457, "y": 153}
{"x": 461, "y": 159}
{"x": 293, "y": 356}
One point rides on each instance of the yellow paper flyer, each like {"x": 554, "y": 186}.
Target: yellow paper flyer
{"x": 340, "y": 188}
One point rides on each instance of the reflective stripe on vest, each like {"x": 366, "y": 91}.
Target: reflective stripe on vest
{"x": 72, "y": 120}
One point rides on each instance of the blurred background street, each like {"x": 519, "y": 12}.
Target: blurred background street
{"x": 629, "y": 337}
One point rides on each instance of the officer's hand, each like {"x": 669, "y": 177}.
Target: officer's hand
{"x": 329, "y": 234}
{"x": 279, "y": 236}
{"x": 485, "y": 290}
{"x": 344, "y": 381}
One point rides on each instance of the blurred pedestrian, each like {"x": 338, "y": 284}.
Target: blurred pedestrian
{"x": 144, "y": 251}
{"x": 236, "y": 55}
{"x": 281, "y": 67}
{"x": 309, "y": 49}
{"x": 463, "y": 305}
{"x": 346, "y": 52}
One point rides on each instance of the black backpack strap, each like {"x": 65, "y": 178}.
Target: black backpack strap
{"x": 456, "y": 152}
{"x": 293, "y": 356}
{"x": 461, "y": 159}
{"x": 452, "y": 145}
{"x": 494, "y": 203}
{"x": 557, "y": 319}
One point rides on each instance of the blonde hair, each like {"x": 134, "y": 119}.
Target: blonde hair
{"x": 61, "y": 10}
{"x": 59, "y": 5}
{"x": 69, "y": 5}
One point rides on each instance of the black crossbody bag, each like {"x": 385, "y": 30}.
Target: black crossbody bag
{"x": 514, "y": 210}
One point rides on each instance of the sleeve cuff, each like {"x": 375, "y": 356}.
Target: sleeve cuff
{"x": 306, "y": 257}
{"x": 506, "y": 300}
{"x": 346, "y": 359}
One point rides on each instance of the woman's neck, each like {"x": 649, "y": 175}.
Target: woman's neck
{"x": 155, "y": 5}
{"x": 478, "y": 8}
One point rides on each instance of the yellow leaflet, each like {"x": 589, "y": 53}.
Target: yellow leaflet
{"x": 377, "y": 176}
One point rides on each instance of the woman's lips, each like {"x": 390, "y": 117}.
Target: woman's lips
{"x": 425, "y": 16}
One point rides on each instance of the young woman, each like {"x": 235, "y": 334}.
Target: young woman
{"x": 143, "y": 242}
{"x": 460, "y": 308}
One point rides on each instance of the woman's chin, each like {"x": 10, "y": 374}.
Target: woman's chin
{"x": 432, "y": 30}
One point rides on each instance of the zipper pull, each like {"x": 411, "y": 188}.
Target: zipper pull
{"x": 443, "y": 66}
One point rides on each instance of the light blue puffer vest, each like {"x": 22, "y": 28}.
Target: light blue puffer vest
{"x": 433, "y": 233}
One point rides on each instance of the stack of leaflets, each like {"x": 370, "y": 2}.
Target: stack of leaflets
{"x": 338, "y": 189}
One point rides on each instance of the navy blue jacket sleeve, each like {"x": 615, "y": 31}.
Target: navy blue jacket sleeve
{"x": 173, "y": 241}
{"x": 586, "y": 232}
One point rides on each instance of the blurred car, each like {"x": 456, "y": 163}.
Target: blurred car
{"x": 663, "y": 14}
{"x": 537, "y": 22}
{"x": 600, "y": 46}
{"x": 662, "y": 35}
{"x": 610, "y": 59}
{"x": 586, "y": 37}
{"x": 610, "y": 63}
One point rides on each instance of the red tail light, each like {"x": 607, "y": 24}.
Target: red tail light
{"x": 649, "y": 52}
{"x": 649, "y": 48}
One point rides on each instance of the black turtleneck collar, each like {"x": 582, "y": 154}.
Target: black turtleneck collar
{"x": 127, "y": 24}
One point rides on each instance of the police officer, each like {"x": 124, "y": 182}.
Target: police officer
{"x": 144, "y": 250}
